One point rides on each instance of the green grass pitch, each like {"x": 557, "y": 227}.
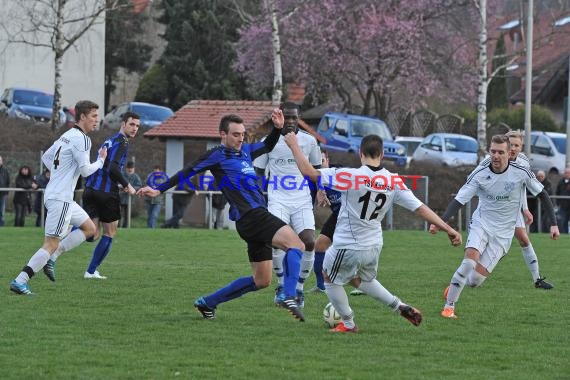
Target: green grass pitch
{"x": 140, "y": 323}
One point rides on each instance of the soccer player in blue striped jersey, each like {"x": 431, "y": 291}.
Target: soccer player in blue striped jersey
{"x": 101, "y": 196}
{"x": 231, "y": 164}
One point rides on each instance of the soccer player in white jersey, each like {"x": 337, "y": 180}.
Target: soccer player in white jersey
{"x": 367, "y": 193}
{"x": 289, "y": 197}
{"x": 500, "y": 187}
{"x": 526, "y": 217}
{"x": 66, "y": 159}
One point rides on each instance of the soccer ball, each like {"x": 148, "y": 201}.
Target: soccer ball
{"x": 330, "y": 315}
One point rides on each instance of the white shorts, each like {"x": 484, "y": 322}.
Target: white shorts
{"x": 491, "y": 248}
{"x": 300, "y": 218}
{"x": 520, "y": 221}
{"x": 60, "y": 215}
{"x": 342, "y": 265}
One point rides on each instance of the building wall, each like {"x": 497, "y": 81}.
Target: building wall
{"x": 33, "y": 67}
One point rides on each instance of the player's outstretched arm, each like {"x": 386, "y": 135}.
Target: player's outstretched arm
{"x": 303, "y": 164}
{"x": 129, "y": 189}
{"x": 427, "y": 214}
{"x": 148, "y": 191}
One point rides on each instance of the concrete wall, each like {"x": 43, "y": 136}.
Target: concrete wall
{"x": 33, "y": 67}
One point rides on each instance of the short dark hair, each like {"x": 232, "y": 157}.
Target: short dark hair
{"x": 131, "y": 114}
{"x": 372, "y": 146}
{"x": 289, "y": 106}
{"x": 130, "y": 164}
{"x": 227, "y": 119}
{"x": 501, "y": 139}
{"x": 83, "y": 107}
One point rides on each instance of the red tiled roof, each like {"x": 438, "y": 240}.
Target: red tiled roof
{"x": 295, "y": 93}
{"x": 201, "y": 118}
{"x": 140, "y": 5}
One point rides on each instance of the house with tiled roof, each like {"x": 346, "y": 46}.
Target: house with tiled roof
{"x": 196, "y": 126}
{"x": 550, "y": 59}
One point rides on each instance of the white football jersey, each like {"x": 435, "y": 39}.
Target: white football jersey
{"x": 500, "y": 196}
{"x": 64, "y": 159}
{"x": 523, "y": 161}
{"x": 366, "y": 196}
{"x": 286, "y": 184}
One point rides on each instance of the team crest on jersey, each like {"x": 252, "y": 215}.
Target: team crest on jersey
{"x": 509, "y": 186}
{"x": 247, "y": 169}
{"x": 283, "y": 161}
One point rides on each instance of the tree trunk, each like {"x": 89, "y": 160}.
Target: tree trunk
{"x": 483, "y": 85}
{"x": 59, "y": 50}
{"x": 276, "y": 45}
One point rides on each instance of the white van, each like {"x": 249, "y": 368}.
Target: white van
{"x": 548, "y": 152}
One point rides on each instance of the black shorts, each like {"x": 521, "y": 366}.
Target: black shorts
{"x": 257, "y": 228}
{"x": 329, "y": 226}
{"x": 104, "y": 206}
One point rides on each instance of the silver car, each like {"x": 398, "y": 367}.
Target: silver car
{"x": 447, "y": 149}
{"x": 151, "y": 115}
{"x": 548, "y": 152}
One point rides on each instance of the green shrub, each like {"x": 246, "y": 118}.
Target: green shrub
{"x": 541, "y": 118}
{"x": 153, "y": 86}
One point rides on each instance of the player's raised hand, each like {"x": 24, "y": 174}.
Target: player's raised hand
{"x": 147, "y": 190}
{"x": 277, "y": 118}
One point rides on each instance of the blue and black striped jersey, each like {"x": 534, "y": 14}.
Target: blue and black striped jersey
{"x": 233, "y": 173}
{"x": 107, "y": 178}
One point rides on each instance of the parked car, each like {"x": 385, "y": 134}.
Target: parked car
{"x": 151, "y": 115}
{"x": 29, "y": 104}
{"x": 410, "y": 143}
{"x": 548, "y": 152}
{"x": 447, "y": 149}
{"x": 344, "y": 132}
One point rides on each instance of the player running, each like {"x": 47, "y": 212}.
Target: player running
{"x": 500, "y": 187}
{"x": 66, "y": 159}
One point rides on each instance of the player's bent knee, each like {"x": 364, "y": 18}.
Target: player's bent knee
{"x": 309, "y": 246}
{"x": 262, "y": 283}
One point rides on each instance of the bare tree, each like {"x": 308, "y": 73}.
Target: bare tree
{"x": 56, "y": 25}
{"x": 276, "y": 45}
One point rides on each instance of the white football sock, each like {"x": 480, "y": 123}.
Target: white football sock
{"x": 458, "y": 281}
{"x": 531, "y": 261}
{"x": 339, "y": 300}
{"x": 306, "y": 268}
{"x": 72, "y": 240}
{"x": 37, "y": 262}
{"x": 475, "y": 279}
{"x": 278, "y": 256}
{"x": 375, "y": 290}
